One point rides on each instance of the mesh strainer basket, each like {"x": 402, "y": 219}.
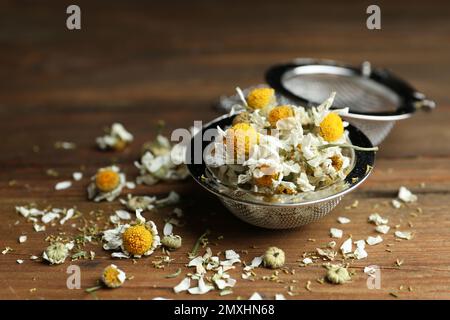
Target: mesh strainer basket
{"x": 290, "y": 214}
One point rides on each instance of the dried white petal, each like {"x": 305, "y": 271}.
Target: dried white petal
{"x": 396, "y": 204}
{"x": 346, "y": 246}
{"x": 77, "y": 176}
{"x": 69, "y": 215}
{"x": 255, "y": 296}
{"x": 139, "y": 216}
{"x": 19, "y": 261}
{"x": 407, "y": 235}
{"x": 360, "y": 252}
{"x": 202, "y": 287}
{"x": 22, "y": 239}
{"x": 119, "y": 255}
{"x": 256, "y": 262}
{"x": 382, "y": 229}
{"x": 307, "y": 261}
{"x": 38, "y": 228}
{"x": 168, "y": 229}
{"x": 130, "y": 185}
{"x": 63, "y": 185}
{"x": 343, "y": 220}
{"x": 336, "y": 233}
{"x": 377, "y": 219}
{"x": 279, "y": 296}
{"x": 231, "y": 255}
{"x": 123, "y": 214}
{"x": 49, "y": 217}
{"x": 371, "y": 271}
{"x": 406, "y": 195}
{"x": 222, "y": 284}
{"x": 7, "y": 250}
{"x": 371, "y": 241}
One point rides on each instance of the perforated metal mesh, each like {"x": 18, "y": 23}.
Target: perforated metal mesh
{"x": 358, "y": 93}
{"x": 376, "y": 131}
{"x": 280, "y": 217}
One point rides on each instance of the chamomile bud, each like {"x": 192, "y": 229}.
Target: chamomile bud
{"x": 274, "y": 258}
{"x": 171, "y": 241}
{"x": 337, "y": 274}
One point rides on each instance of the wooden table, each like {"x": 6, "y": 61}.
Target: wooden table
{"x": 137, "y": 63}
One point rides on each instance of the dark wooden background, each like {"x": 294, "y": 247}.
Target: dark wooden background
{"x": 137, "y": 62}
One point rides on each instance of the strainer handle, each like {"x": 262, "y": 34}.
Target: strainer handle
{"x": 423, "y": 103}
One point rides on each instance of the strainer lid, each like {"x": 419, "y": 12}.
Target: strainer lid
{"x": 369, "y": 94}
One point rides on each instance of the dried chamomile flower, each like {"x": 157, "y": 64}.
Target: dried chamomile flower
{"x": 331, "y": 127}
{"x": 242, "y": 137}
{"x": 137, "y": 240}
{"x": 158, "y": 147}
{"x": 405, "y": 195}
{"x": 117, "y": 138}
{"x": 139, "y": 202}
{"x": 162, "y": 161}
{"x": 337, "y": 274}
{"x": 57, "y": 252}
{"x": 171, "y": 242}
{"x": 274, "y": 258}
{"x": 107, "y": 184}
{"x": 279, "y": 113}
{"x": 113, "y": 277}
{"x": 260, "y": 98}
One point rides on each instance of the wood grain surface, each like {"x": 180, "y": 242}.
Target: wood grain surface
{"x": 139, "y": 62}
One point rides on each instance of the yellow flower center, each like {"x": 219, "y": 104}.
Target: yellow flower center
{"x": 107, "y": 180}
{"x": 120, "y": 145}
{"x": 336, "y": 162}
{"x": 281, "y": 189}
{"x": 260, "y": 98}
{"x": 137, "y": 239}
{"x": 278, "y": 113}
{"x": 331, "y": 127}
{"x": 266, "y": 180}
{"x": 111, "y": 277}
{"x": 244, "y": 137}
